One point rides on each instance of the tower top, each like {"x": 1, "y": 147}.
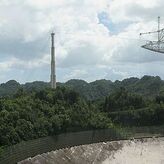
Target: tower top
{"x": 52, "y": 38}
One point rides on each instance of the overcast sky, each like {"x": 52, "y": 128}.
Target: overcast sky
{"x": 95, "y": 39}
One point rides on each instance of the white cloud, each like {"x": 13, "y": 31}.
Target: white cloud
{"x": 139, "y": 10}
{"x": 76, "y": 74}
{"x": 81, "y": 41}
{"x": 21, "y": 64}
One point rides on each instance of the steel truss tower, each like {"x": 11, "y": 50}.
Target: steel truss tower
{"x": 53, "y": 72}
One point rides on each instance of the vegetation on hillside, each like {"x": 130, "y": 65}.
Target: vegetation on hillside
{"x": 32, "y": 115}
{"x": 128, "y": 109}
{"x": 35, "y": 111}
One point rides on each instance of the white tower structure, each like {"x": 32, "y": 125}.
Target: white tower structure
{"x": 53, "y": 72}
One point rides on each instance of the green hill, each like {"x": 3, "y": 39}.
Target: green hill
{"x": 147, "y": 86}
{"x": 9, "y": 88}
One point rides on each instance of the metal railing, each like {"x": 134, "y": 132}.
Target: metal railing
{"x": 21, "y": 151}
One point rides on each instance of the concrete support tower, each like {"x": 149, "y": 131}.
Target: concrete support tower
{"x": 53, "y": 74}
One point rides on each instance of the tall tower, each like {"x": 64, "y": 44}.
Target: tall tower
{"x": 53, "y": 74}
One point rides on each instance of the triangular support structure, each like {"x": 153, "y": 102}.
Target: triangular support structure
{"x": 156, "y": 46}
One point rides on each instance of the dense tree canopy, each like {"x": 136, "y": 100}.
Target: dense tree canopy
{"x": 47, "y": 112}
{"x": 37, "y": 113}
{"x": 123, "y": 100}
